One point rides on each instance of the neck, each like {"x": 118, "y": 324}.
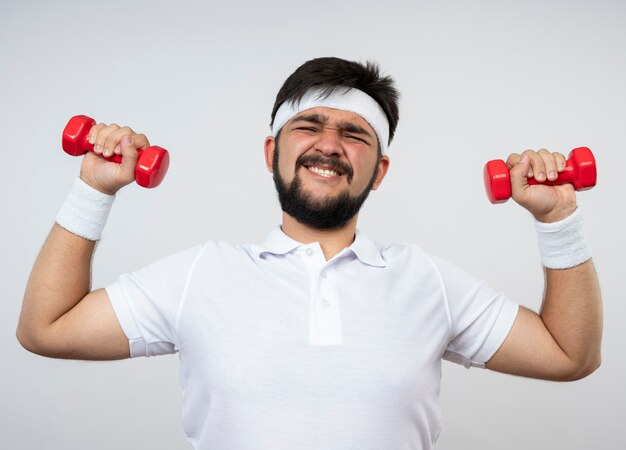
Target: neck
{"x": 331, "y": 241}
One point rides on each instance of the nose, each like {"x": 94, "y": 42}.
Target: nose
{"x": 329, "y": 143}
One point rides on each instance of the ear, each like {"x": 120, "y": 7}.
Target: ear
{"x": 383, "y": 166}
{"x": 270, "y": 145}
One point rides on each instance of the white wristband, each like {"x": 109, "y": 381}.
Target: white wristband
{"x": 563, "y": 244}
{"x": 85, "y": 211}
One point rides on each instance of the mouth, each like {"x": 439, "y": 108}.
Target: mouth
{"x": 325, "y": 172}
{"x": 325, "y": 167}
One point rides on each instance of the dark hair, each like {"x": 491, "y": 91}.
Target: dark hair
{"x": 332, "y": 73}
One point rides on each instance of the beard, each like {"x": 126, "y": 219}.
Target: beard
{"x": 329, "y": 213}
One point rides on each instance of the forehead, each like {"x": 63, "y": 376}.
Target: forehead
{"x": 336, "y": 117}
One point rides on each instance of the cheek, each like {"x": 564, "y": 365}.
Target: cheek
{"x": 286, "y": 165}
{"x": 366, "y": 169}
{"x": 288, "y": 156}
{"x": 286, "y": 171}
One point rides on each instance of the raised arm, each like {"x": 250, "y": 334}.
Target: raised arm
{"x": 60, "y": 317}
{"x": 562, "y": 342}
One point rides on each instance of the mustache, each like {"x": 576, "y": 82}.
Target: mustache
{"x": 314, "y": 160}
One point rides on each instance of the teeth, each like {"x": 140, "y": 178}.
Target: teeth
{"x": 323, "y": 172}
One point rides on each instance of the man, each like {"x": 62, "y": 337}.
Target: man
{"x": 318, "y": 338}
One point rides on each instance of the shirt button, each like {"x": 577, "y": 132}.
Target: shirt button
{"x": 325, "y": 303}
{"x": 324, "y": 275}
{"x": 309, "y": 251}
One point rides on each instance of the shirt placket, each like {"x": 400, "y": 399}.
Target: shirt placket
{"x": 324, "y": 313}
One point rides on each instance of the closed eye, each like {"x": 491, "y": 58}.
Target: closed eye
{"x": 356, "y": 138}
{"x": 311, "y": 129}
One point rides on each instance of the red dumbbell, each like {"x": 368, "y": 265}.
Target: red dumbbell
{"x": 151, "y": 166}
{"x": 580, "y": 170}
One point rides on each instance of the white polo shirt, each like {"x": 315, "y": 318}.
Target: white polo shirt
{"x": 283, "y": 350}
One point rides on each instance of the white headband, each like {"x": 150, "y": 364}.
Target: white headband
{"x": 352, "y": 100}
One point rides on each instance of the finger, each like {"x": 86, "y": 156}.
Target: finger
{"x": 114, "y": 138}
{"x": 560, "y": 161}
{"x": 93, "y": 133}
{"x": 549, "y": 162}
{"x": 100, "y": 142}
{"x": 512, "y": 160}
{"x": 537, "y": 166}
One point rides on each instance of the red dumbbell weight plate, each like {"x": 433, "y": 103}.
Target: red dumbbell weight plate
{"x": 497, "y": 181}
{"x": 74, "y": 140}
{"x": 152, "y": 166}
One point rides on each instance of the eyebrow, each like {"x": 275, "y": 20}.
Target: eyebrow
{"x": 344, "y": 125}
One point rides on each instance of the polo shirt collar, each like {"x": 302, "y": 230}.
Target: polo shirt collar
{"x": 367, "y": 251}
{"x": 278, "y": 243}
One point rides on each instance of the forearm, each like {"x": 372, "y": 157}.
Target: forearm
{"x": 59, "y": 280}
{"x": 572, "y": 312}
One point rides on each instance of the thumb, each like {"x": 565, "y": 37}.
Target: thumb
{"x": 519, "y": 177}
{"x": 129, "y": 158}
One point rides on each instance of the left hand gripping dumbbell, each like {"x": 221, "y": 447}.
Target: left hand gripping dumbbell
{"x": 580, "y": 171}
{"x": 152, "y": 164}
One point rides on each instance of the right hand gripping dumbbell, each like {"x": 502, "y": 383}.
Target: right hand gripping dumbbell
{"x": 152, "y": 164}
{"x": 580, "y": 170}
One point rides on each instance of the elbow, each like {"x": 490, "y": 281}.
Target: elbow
{"x": 35, "y": 335}
{"x": 28, "y": 332}
{"x": 591, "y": 367}
{"x": 32, "y": 341}
{"x": 27, "y": 340}
{"x": 584, "y": 370}
{"x": 24, "y": 339}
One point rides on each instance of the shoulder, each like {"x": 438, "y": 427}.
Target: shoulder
{"x": 223, "y": 248}
{"x": 403, "y": 253}
{"x": 411, "y": 258}
{"x": 222, "y": 253}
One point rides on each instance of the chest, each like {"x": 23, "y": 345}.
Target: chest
{"x": 312, "y": 336}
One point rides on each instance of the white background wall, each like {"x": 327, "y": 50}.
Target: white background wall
{"x": 478, "y": 79}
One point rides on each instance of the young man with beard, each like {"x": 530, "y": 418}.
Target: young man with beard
{"x": 319, "y": 338}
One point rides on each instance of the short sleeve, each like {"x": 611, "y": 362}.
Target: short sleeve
{"x": 146, "y": 302}
{"x": 481, "y": 317}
